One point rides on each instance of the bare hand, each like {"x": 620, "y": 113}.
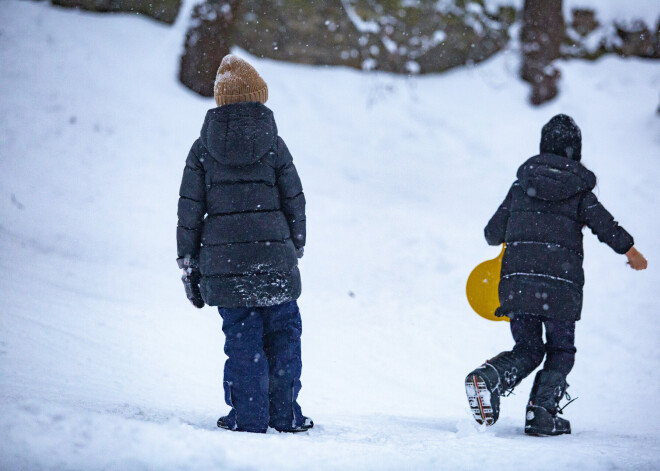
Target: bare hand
{"x": 636, "y": 260}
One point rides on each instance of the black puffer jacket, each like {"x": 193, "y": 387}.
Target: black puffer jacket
{"x": 242, "y": 209}
{"x": 541, "y": 221}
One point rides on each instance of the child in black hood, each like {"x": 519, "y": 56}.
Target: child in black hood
{"x": 541, "y": 222}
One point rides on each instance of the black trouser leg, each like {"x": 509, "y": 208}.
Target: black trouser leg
{"x": 560, "y": 346}
{"x": 526, "y": 355}
{"x": 550, "y": 383}
{"x": 529, "y": 350}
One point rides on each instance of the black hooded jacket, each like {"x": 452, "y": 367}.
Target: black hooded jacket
{"x": 541, "y": 221}
{"x": 242, "y": 209}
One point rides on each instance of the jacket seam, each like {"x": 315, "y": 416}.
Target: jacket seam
{"x": 514, "y": 242}
{"x": 189, "y": 199}
{"x": 239, "y": 182}
{"x": 541, "y": 275}
{"x": 247, "y": 211}
{"x": 545, "y": 212}
{"x": 248, "y": 274}
{"x": 271, "y": 241}
{"x": 187, "y": 228}
{"x": 287, "y": 198}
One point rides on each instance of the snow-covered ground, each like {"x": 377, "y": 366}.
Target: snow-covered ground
{"x": 105, "y": 365}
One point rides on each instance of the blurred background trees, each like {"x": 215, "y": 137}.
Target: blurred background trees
{"x": 541, "y": 34}
{"x": 409, "y": 37}
{"x": 400, "y": 36}
{"x": 161, "y": 10}
{"x": 210, "y": 36}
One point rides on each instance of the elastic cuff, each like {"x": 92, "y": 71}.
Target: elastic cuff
{"x": 625, "y": 250}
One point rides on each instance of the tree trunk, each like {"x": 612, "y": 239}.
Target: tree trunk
{"x": 208, "y": 40}
{"x": 541, "y": 36}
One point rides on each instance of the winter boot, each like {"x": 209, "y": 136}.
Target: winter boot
{"x": 483, "y": 389}
{"x": 541, "y": 417}
{"x": 305, "y": 426}
{"x": 222, "y": 422}
{"x": 228, "y": 422}
{"x": 486, "y": 384}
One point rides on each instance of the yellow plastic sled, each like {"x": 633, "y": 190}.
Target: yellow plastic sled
{"x": 481, "y": 288}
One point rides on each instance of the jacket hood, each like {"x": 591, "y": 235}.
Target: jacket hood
{"x": 553, "y": 177}
{"x": 239, "y": 134}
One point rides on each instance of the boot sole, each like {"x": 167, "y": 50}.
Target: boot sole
{"x": 296, "y": 430}
{"x": 224, "y": 426}
{"x": 479, "y": 399}
{"x": 306, "y": 427}
{"x": 539, "y": 433}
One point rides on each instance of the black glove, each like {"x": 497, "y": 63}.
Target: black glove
{"x": 191, "y": 278}
{"x": 300, "y": 251}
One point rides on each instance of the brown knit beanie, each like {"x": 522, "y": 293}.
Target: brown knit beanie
{"x": 237, "y": 81}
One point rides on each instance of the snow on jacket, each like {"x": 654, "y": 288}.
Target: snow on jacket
{"x": 242, "y": 209}
{"x": 541, "y": 221}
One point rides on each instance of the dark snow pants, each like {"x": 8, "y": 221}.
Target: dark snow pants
{"x": 262, "y": 372}
{"x": 529, "y": 350}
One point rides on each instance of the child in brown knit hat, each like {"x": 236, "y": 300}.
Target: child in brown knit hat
{"x": 240, "y": 234}
{"x": 237, "y": 81}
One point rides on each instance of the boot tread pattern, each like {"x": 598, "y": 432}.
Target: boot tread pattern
{"x": 479, "y": 399}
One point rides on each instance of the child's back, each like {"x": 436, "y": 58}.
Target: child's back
{"x": 241, "y": 231}
{"x": 241, "y": 174}
{"x": 541, "y": 222}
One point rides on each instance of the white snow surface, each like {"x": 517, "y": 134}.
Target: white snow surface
{"x": 105, "y": 365}
{"x": 608, "y": 11}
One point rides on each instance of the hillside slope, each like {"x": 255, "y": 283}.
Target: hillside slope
{"x": 105, "y": 365}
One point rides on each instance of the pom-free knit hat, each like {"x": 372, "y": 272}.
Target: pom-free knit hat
{"x": 237, "y": 81}
{"x": 561, "y": 136}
